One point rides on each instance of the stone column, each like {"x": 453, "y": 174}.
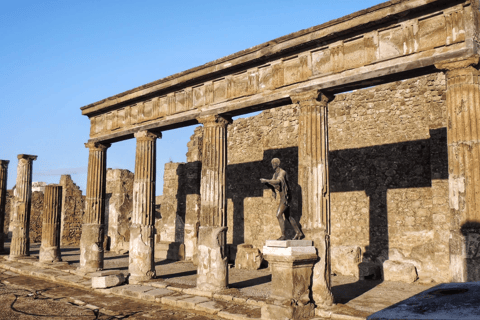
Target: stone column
{"x": 141, "y": 264}
{"x": 3, "y": 199}
{"x": 20, "y": 245}
{"x": 93, "y": 228}
{"x": 52, "y": 213}
{"x": 463, "y": 136}
{"x": 313, "y": 179}
{"x": 212, "y": 257}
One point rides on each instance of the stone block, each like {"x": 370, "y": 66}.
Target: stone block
{"x": 345, "y": 260}
{"x": 153, "y": 295}
{"x": 169, "y": 250}
{"x": 399, "y": 271}
{"x": 248, "y": 257}
{"x": 190, "y": 303}
{"x": 288, "y": 243}
{"x": 211, "y": 307}
{"x": 287, "y": 312}
{"x": 212, "y": 272}
{"x": 280, "y": 251}
{"x": 103, "y": 282}
{"x": 369, "y": 270}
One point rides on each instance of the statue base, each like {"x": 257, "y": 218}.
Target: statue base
{"x": 291, "y": 262}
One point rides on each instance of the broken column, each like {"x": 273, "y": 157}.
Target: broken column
{"x": 3, "y": 199}
{"x": 313, "y": 179}
{"x": 463, "y": 133}
{"x": 212, "y": 272}
{"x": 93, "y": 228}
{"x": 50, "y": 248}
{"x": 141, "y": 264}
{"x": 20, "y": 245}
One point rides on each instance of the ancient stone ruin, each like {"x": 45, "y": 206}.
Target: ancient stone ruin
{"x": 374, "y": 114}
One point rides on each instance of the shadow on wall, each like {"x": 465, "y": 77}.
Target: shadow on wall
{"x": 243, "y": 181}
{"x": 411, "y": 164}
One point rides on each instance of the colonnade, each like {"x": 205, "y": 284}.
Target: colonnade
{"x": 463, "y": 129}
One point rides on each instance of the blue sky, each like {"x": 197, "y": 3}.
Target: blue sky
{"x": 57, "y": 56}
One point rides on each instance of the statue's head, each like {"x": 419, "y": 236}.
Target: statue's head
{"x": 275, "y": 163}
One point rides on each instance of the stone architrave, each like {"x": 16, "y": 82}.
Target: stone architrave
{"x": 3, "y": 199}
{"x": 213, "y": 199}
{"x": 463, "y": 134}
{"x": 313, "y": 179}
{"x": 52, "y": 213}
{"x": 93, "y": 228}
{"x": 20, "y": 245}
{"x": 141, "y": 264}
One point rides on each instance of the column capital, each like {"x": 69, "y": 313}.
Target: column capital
{"x": 458, "y": 64}
{"x": 214, "y": 120}
{"x": 27, "y": 157}
{"x": 97, "y": 146}
{"x": 4, "y": 163}
{"x": 146, "y": 135}
{"x": 313, "y": 97}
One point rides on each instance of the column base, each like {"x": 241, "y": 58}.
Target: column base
{"x": 212, "y": 274}
{"x": 91, "y": 248}
{"x": 19, "y": 247}
{"x": 288, "y": 311}
{"x": 49, "y": 254}
{"x": 141, "y": 263}
{"x": 464, "y": 255}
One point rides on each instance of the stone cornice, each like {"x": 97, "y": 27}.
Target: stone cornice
{"x": 390, "y": 10}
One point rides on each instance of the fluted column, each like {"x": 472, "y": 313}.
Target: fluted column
{"x": 3, "y": 199}
{"x": 52, "y": 210}
{"x": 212, "y": 273}
{"x": 313, "y": 179}
{"x": 463, "y": 139}
{"x": 142, "y": 245}
{"x": 20, "y": 245}
{"x": 214, "y": 165}
{"x": 91, "y": 241}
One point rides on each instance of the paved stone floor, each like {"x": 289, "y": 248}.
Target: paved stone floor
{"x": 358, "y": 299}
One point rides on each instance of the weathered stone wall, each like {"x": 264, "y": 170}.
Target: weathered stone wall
{"x": 73, "y": 206}
{"x": 36, "y": 216}
{"x": 119, "y": 207}
{"x": 72, "y": 211}
{"x": 388, "y": 173}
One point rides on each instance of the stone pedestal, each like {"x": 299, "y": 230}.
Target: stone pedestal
{"x": 141, "y": 263}
{"x": 52, "y": 210}
{"x": 292, "y": 263}
{"x": 3, "y": 199}
{"x": 93, "y": 229}
{"x": 20, "y": 245}
{"x": 212, "y": 272}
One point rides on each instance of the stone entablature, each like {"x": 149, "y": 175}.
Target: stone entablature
{"x": 379, "y": 42}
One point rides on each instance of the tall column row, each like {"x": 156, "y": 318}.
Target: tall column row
{"x": 142, "y": 244}
{"x": 313, "y": 179}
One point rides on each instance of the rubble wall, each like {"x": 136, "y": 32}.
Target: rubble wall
{"x": 73, "y": 206}
{"x": 118, "y": 208}
{"x": 388, "y": 173}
